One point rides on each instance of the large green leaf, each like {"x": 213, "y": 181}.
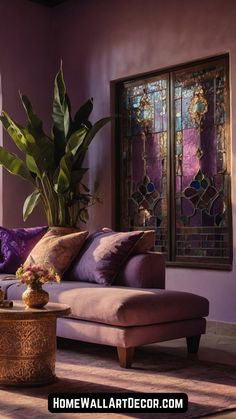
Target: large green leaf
{"x": 61, "y": 111}
{"x": 67, "y": 100}
{"x": 79, "y": 158}
{"x": 64, "y": 176}
{"x": 35, "y": 127}
{"x": 95, "y": 128}
{"x": 82, "y": 115}
{"x": 30, "y": 163}
{"x": 14, "y": 164}
{"x": 81, "y": 152}
{"x": 30, "y": 203}
{"x": 25, "y": 141}
{"x": 77, "y": 175}
{"x": 14, "y": 131}
{"x": 75, "y": 140}
{"x": 36, "y": 151}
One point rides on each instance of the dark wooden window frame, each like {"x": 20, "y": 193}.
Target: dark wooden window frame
{"x": 116, "y": 88}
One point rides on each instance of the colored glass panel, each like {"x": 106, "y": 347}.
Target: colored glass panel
{"x": 144, "y": 146}
{"x": 174, "y": 161}
{"x": 201, "y": 185}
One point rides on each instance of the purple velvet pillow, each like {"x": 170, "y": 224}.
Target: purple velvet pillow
{"x": 16, "y": 244}
{"x": 103, "y": 256}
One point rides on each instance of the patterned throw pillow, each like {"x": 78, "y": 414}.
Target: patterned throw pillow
{"x": 16, "y": 245}
{"x": 58, "y": 247}
{"x": 103, "y": 256}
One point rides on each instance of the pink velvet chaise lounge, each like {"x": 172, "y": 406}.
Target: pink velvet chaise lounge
{"x": 137, "y": 310}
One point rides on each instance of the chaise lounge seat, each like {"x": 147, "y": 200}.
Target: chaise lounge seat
{"x": 136, "y": 311}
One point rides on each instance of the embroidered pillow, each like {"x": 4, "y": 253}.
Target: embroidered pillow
{"x": 16, "y": 245}
{"x": 103, "y": 256}
{"x": 58, "y": 247}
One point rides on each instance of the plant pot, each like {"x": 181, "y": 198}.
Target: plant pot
{"x": 35, "y": 296}
{"x": 63, "y": 230}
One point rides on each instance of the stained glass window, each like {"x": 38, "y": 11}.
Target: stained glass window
{"x": 144, "y": 157}
{"x": 174, "y": 161}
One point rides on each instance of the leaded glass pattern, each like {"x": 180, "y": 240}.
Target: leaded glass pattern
{"x": 201, "y": 171}
{"x": 144, "y": 145}
{"x": 174, "y": 155}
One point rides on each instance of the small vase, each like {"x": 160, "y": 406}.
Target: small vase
{"x": 35, "y": 296}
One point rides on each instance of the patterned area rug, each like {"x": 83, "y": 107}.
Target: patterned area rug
{"x": 81, "y": 367}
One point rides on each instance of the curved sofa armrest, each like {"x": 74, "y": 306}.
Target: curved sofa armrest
{"x": 145, "y": 270}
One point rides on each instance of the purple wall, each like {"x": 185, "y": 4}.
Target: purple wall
{"x": 101, "y": 41}
{"x": 25, "y": 65}
{"x": 1, "y": 169}
{"x": 105, "y": 40}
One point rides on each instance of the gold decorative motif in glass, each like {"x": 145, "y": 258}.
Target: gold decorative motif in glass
{"x": 144, "y": 113}
{"x": 198, "y": 107}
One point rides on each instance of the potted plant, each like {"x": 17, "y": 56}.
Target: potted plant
{"x": 54, "y": 164}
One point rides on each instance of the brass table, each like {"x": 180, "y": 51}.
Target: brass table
{"x": 28, "y": 344}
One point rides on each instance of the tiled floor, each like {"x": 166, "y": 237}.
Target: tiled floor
{"x": 213, "y": 348}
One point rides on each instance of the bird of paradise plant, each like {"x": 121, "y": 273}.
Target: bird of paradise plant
{"x": 54, "y": 164}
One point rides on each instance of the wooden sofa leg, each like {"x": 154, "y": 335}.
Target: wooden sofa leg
{"x": 125, "y": 356}
{"x": 193, "y": 344}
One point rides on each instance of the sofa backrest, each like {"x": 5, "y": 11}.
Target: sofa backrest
{"x": 145, "y": 270}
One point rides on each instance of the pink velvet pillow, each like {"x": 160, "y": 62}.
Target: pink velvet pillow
{"x": 103, "y": 256}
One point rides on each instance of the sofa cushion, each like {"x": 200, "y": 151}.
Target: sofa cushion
{"x": 104, "y": 255}
{"x": 6, "y": 280}
{"x": 58, "y": 247}
{"x": 145, "y": 244}
{"x": 132, "y": 307}
{"x": 119, "y": 306}
{"x": 16, "y": 245}
{"x": 145, "y": 270}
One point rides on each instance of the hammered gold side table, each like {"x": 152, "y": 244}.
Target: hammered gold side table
{"x": 28, "y": 344}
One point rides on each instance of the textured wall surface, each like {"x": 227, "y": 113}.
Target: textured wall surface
{"x": 25, "y": 65}
{"x": 101, "y": 41}
{"x": 105, "y": 40}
